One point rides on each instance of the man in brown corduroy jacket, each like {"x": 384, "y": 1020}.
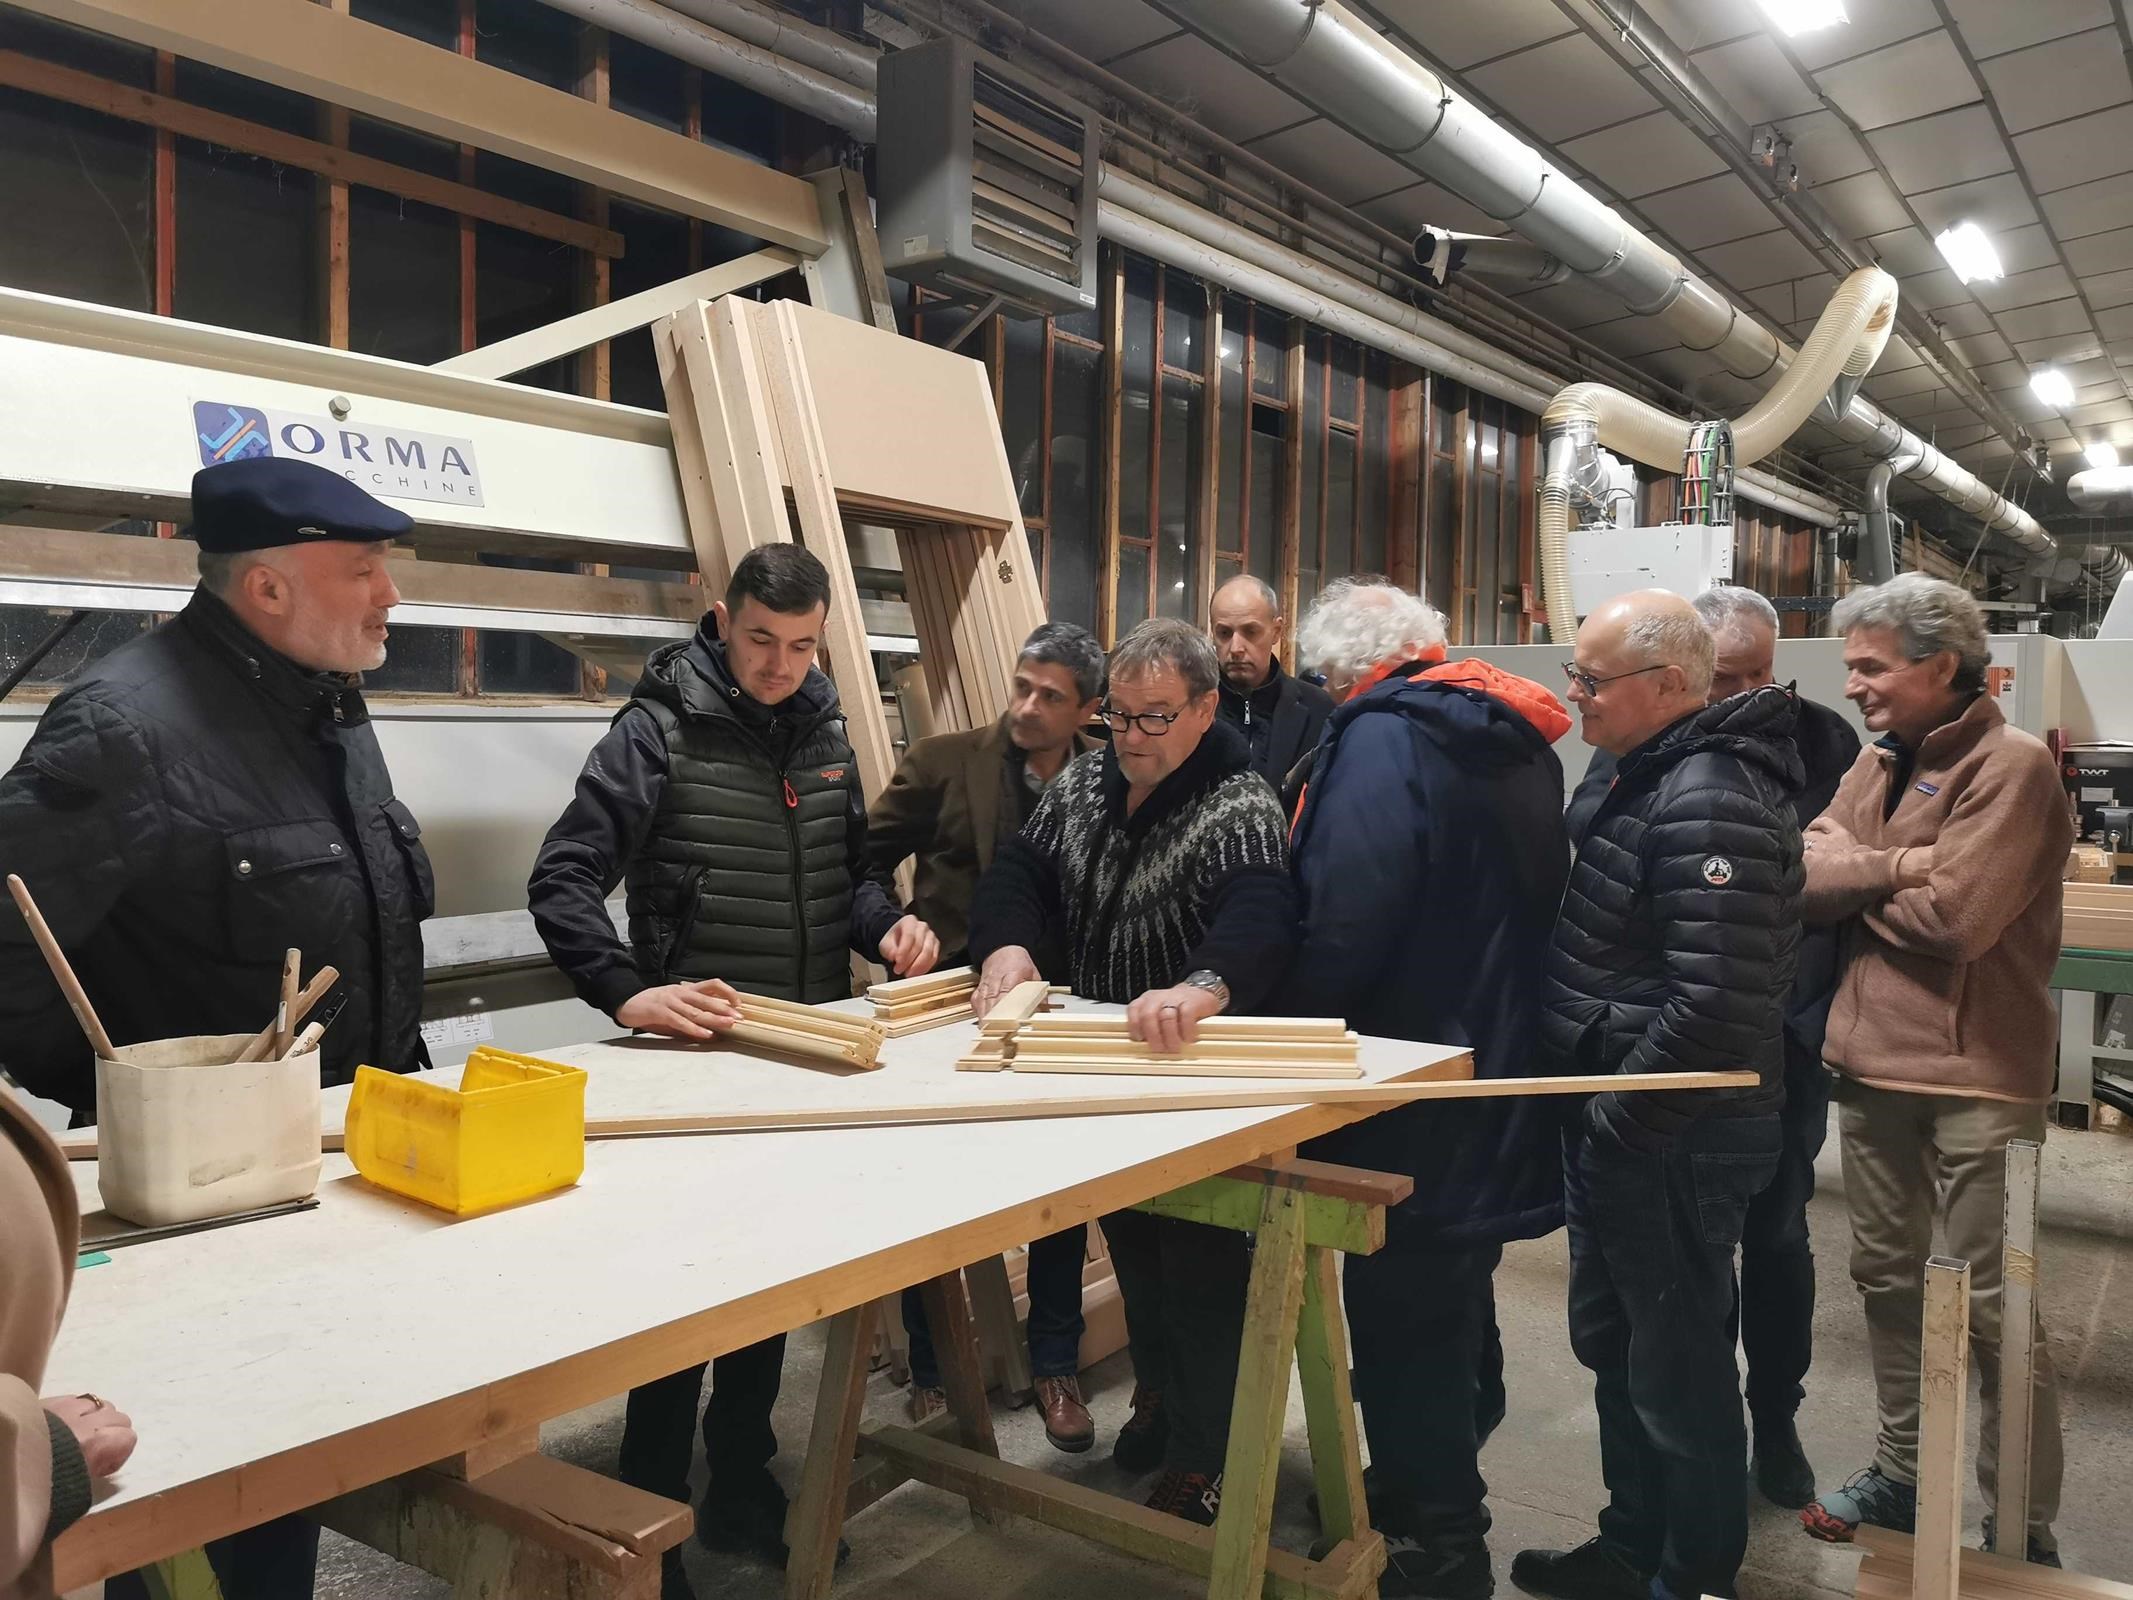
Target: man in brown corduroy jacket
{"x": 1940, "y": 860}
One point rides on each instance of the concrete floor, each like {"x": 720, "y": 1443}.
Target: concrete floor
{"x": 1542, "y": 1465}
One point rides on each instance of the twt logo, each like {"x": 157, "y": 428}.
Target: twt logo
{"x": 394, "y": 463}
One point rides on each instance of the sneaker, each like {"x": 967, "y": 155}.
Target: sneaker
{"x": 2040, "y": 1552}
{"x": 1146, "y": 1435}
{"x": 1067, "y": 1423}
{"x": 1416, "y": 1569}
{"x": 926, "y": 1403}
{"x": 1870, "y": 1496}
{"x": 749, "y": 1523}
{"x": 1780, "y": 1465}
{"x": 1192, "y": 1495}
{"x": 1595, "y": 1570}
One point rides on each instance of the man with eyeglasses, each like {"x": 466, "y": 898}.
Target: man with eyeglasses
{"x": 1777, "y": 1264}
{"x": 1674, "y": 953}
{"x": 1154, "y": 874}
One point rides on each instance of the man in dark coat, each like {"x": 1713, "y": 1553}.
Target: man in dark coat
{"x": 1777, "y": 1266}
{"x": 1433, "y": 804}
{"x": 953, "y": 799}
{"x": 205, "y": 797}
{"x": 1280, "y": 716}
{"x": 1674, "y": 953}
{"x": 727, "y": 798}
{"x": 1158, "y": 869}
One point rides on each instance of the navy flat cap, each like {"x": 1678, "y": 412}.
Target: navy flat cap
{"x": 265, "y": 501}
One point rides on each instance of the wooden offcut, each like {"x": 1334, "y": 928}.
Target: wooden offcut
{"x": 1013, "y": 1038}
{"x": 810, "y": 1031}
{"x": 2098, "y": 916}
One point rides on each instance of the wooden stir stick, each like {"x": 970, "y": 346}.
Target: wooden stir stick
{"x": 285, "y": 1023}
{"x": 56, "y": 959}
{"x": 314, "y": 991}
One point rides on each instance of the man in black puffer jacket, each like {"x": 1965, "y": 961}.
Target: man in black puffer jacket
{"x": 727, "y": 798}
{"x": 1674, "y": 953}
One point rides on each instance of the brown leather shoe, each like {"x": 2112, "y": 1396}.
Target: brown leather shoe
{"x": 1067, "y": 1422}
{"x": 926, "y": 1403}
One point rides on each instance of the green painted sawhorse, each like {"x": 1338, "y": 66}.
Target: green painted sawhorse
{"x": 2080, "y": 977}
{"x": 1304, "y": 1213}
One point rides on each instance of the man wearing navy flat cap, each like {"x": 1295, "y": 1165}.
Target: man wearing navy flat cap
{"x": 209, "y": 795}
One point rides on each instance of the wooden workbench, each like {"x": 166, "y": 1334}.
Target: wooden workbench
{"x": 276, "y": 1365}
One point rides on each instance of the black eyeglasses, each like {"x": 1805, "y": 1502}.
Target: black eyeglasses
{"x": 1153, "y": 723}
{"x": 1591, "y": 684}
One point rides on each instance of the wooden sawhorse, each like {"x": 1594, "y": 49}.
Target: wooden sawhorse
{"x": 1303, "y": 1213}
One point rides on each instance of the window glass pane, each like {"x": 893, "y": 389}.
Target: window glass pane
{"x": 403, "y": 278}
{"x": 1311, "y": 520}
{"x": 1270, "y": 340}
{"x": 1022, "y": 410}
{"x": 656, "y": 251}
{"x": 1374, "y": 486}
{"x": 1088, "y": 323}
{"x": 1226, "y": 570}
{"x": 1184, "y": 313}
{"x": 87, "y": 181}
{"x": 1229, "y": 507}
{"x": 647, "y": 83}
{"x": 224, "y": 198}
{"x": 525, "y": 663}
{"x": 1132, "y": 586}
{"x": 1439, "y": 533}
{"x": 1177, "y": 580}
{"x": 417, "y": 661}
{"x": 521, "y": 283}
{"x": 1347, "y": 362}
{"x": 1077, "y": 453}
{"x": 24, "y": 628}
{"x": 1488, "y": 553}
{"x": 1263, "y": 556}
{"x": 1445, "y": 400}
{"x": 1135, "y": 425}
{"x": 1340, "y": 506}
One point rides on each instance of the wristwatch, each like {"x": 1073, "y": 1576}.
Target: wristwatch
{"x": 1210, "y": 980}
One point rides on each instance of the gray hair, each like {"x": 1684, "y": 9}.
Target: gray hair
{"x": 1258, "y": 586}
{"x": 1927, "y": 616}
{"x": 1356, "y": 624}
{"x": 1061, "y": 644}
{"x": 1666, "y": 638}
{"x": 221, "y": 570}
{"x": 1167, "y": 642}
{"x": 1729, "y": 608}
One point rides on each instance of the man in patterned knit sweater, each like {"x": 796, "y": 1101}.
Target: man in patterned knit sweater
{"x": 1154, "y": 874}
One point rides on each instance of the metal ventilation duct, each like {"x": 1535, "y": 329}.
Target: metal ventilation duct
{"x": 1322, "y": 53}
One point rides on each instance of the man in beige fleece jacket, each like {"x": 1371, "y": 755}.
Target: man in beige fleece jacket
{"x": 1940, "y": 859}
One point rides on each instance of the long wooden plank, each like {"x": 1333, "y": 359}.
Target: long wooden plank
{"x": 330, "y": 161}
{"x": 812, "y": 1525}
{"x": 702, "y": 448}
{"x": 844, "y": 644}
{"x": 1328, "y": 1028}
{"x": 2018, "y": 1349}
{"x": 819, "y": 1019}
{"x": 1227, "y": 1047}
{"x": 1984, "y": 1576}
{"x": 1943, "y": 1395}
{"x": 900, "y": 989}
{"x": 1181, "y": 1067}
{"x": 1016, "y": 1007}
{"x": 1266, "y": 1353}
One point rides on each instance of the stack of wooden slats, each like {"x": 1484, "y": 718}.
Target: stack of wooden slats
{"x": 811, "y": 1031}
{"x": 1015, "y": 1039}
{"x": 2099, "y": 916}
{"x": 769, "y": 398}
{"x": 912, "y": 1005}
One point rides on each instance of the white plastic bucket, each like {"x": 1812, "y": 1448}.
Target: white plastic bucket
{"x": 184, "y": 1132}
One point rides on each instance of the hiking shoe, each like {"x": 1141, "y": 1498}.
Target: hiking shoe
{"x": 1595, "y": 1570}
{"x": 1067, "y": 1423}
{"x": 926, "y": 1403}
{"x": 1870, "y": 1496}
{"x": 749, "y": 1523}
{"x": 1416, "y": 1569}
{"x": 1192, "y": 1495}
{"x": 2039, "y": 1554}
{"x": 1780, "y": 1465}
{"x": 1146, "y": 1435}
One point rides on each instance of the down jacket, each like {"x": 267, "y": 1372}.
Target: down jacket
{"x": 1678, "y": 936}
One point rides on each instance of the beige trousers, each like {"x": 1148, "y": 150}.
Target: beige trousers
{"x": 1912, "y": 1161}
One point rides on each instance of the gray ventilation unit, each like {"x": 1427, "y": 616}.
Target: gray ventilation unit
{"x": 986, "y": 181}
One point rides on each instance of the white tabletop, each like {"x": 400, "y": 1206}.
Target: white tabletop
{"x": 274, "y": 1364}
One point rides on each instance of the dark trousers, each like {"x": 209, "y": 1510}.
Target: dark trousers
{"x": 1777, "y": 1263}
{"x": 1055, "y": 1323}
{"x": 1652, "y": 1300}
{"x": 1184, "y": 1284}
{"x": 1429, "y": 1377}
{"x": 659, "y": 1428}
{"x": 277, "y": 1560}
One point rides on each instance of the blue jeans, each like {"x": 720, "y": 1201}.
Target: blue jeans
{"x": 1652, "y": 1296}
{"x": 1055, "y": 1323}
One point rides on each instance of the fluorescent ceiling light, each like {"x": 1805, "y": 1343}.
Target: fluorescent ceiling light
{"x": 1796, "y": 17}
{"x": 2103, "y": 455}
{"x": 1966, "y": 249}
{"x": 2053, "y": 387}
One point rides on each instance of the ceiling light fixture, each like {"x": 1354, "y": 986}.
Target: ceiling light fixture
{"x": 2102, "y": 455}
{"x": 2053, "y": 387}
{"x": 1795, "y": 17}
{"x": 1969, "y": 252}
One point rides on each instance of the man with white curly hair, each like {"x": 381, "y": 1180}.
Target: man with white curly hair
{"x": 1940, "y": 861}
{"x": 1434, "y": 802}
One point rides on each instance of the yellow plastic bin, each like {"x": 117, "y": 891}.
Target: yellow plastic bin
{"x": 513, "y": 1129}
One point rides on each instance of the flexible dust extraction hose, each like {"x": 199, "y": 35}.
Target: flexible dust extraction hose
{"x": 1846, "y": 342}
